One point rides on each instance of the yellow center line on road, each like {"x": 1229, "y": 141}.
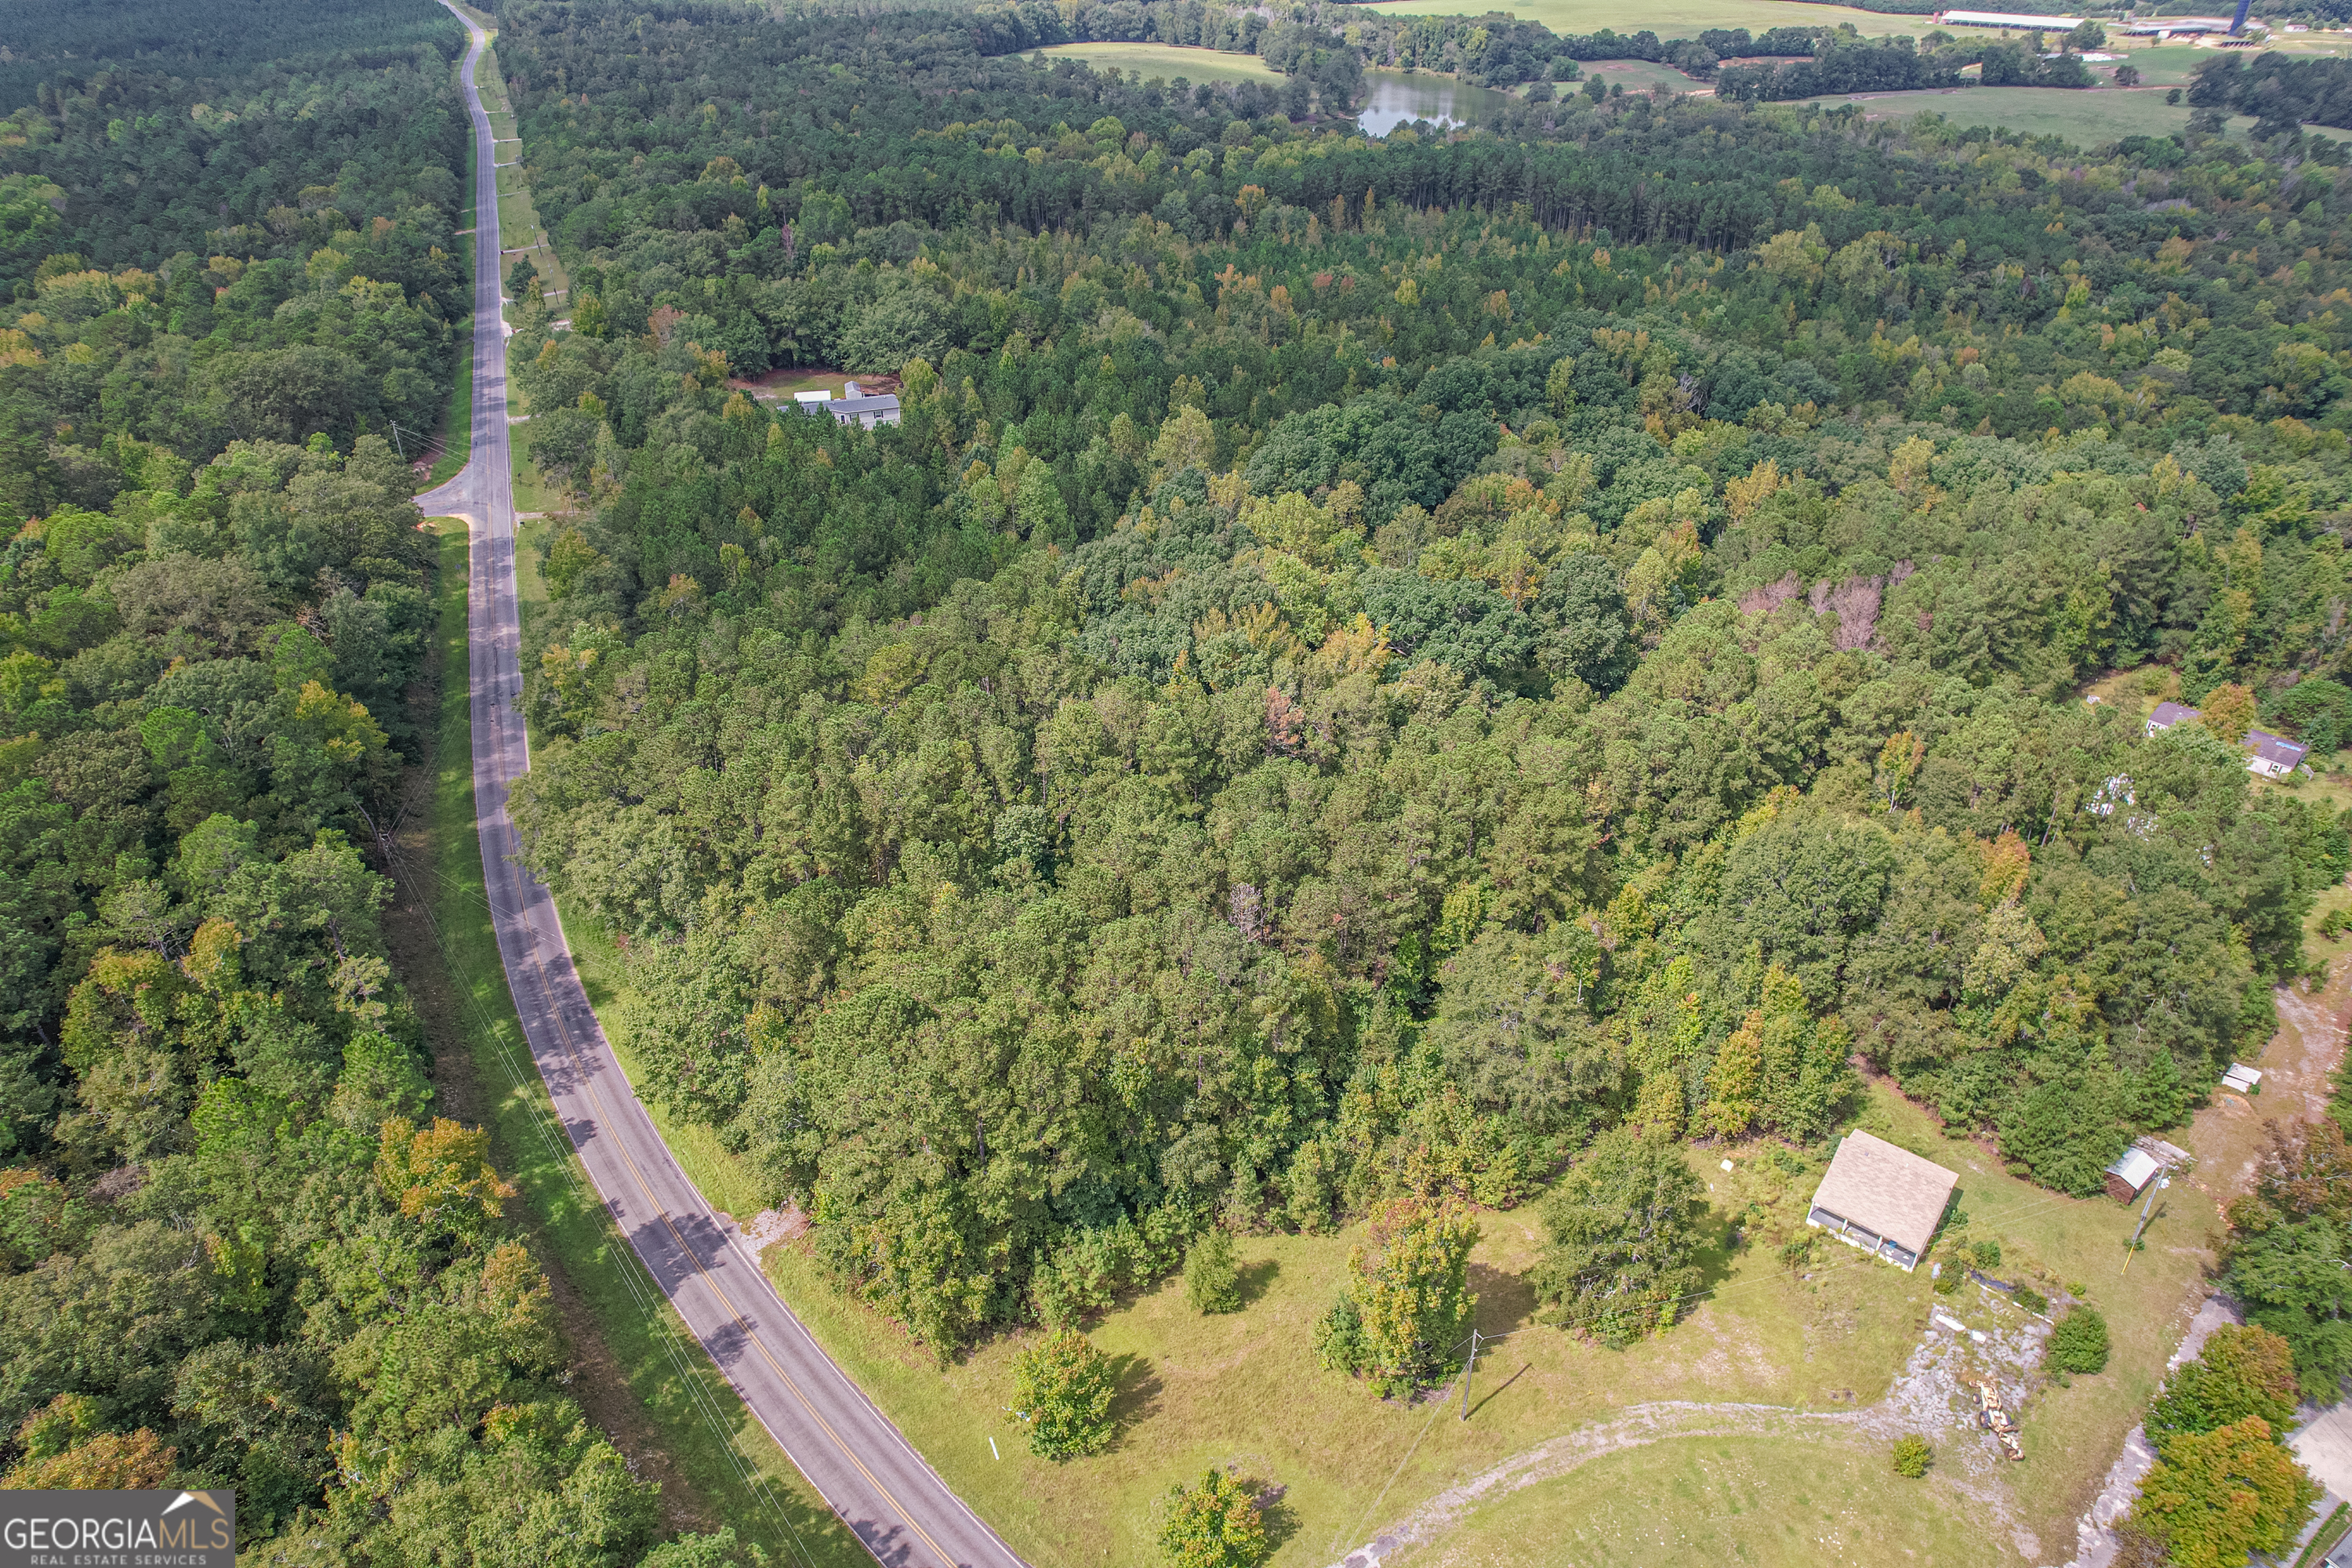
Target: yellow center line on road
{"x": 621, "y": 1144}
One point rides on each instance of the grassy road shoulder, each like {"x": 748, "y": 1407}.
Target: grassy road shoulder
{"x": 644, "y": 1379}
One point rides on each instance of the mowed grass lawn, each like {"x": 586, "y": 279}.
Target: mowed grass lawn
{"x": 1748, "y": 1501}
{"x": 1637, "y": 76}
{"x": 1168, "y": 60}
{"x": 1246, "y": 1390}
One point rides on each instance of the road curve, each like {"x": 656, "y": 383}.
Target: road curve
{"x": 849, "y": 1451}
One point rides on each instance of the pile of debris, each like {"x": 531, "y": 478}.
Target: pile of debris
{"x": 1994, "y": 1419}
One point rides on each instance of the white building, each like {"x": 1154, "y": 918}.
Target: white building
{"x": 2013, "y": 20}
{"x": 2272, "y": 756}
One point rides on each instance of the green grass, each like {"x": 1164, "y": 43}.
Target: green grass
{"x": 532, "y": 492}
{"x": 2167, "y": 65}
{"x": 1246, "y": 1388}
{"x": 456, "y": 431}
{"x": 2329, "y": 1533}
{"x": 1636, "y": 76}
{"x": 1168, "y": 60}
{"x": 1745, "y": 1499}
{"x": 1669, "y": 18}
{"x": 645, "y": 1378}
{"x": 2087, "y": 117}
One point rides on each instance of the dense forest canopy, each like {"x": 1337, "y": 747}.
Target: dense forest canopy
{"x": 1369, "y": 664}
{"x": 237, "y": 1246}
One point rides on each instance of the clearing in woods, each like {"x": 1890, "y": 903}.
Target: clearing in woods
{"x": 1168, "y": 60}
{"x": 1670, "y": 18}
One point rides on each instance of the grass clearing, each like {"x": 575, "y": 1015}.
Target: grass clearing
{"x": 1637, "y": 76}
{"x": 1829, "y": 1336}
{"x": 456, "y": 431}
{"x": 1750, "y": 1500}
{"x": 1246, "y": 1388}
{"x": 532, "y": 492}
{"x": 778, "y": 385}
{"x": 1166, "y": 60}
{"x": 1670, "y": 18}
{"x": 644, "y": 1378}
{"x": 2087, "y": 117}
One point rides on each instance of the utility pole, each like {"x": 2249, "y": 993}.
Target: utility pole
{"x": 2146, "y": 1211}
{"x": 1466, "y": 1367}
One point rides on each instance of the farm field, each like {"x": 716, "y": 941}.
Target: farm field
{"x": 1638, "y": 76}
{"x": 1168, "y": 60}
{"x": 1673, "y": 18}
{"x": 2084, "y": 116}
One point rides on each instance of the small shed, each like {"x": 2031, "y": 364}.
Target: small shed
{"x": 2131, "y": 1173}
{"x": 1884, "y": 1200}
{"x": 2243, "y": 1078}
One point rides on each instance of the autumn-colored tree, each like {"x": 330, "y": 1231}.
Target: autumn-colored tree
{"x": 64, "y": 1451}
{"x": 1408, "y": 1303}
{"x": 2218, "y": 1496}
{"x": 2228, "y": 711}
{"x": 440, "y": 1173}
{"x": 2241, "y": 1372}
{"x": 1214, "y": 1524}
{"x": 1062, "y": 1389}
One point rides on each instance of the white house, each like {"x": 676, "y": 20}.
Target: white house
{"x": 2272, "y": 756}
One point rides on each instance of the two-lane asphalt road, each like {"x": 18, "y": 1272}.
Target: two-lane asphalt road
{"x": 848, "y": 1450}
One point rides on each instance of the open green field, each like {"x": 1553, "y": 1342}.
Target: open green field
{"x": 532, "y": 493}
{"x": 642, "y": 1377}
{"x": 2166, "y": 65}
{"x": 1670, "y": 19}
{"x": 1637, "y": 76}
{"x": 2087, "y": 117}
{"x": 1727, "y": 1499}
{"x": 456, "y": 431}
{"x": 2083, "y": 116}
{"x": 1166, "y": 60}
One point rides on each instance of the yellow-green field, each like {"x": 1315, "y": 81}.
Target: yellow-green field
{"x": 1637, "y": 76}
{"x": 1166, "y": 60}
{"x": 2084, "y": 116}
{"x": 1727, "y": 1499}
{"x": 1669, "y": 18}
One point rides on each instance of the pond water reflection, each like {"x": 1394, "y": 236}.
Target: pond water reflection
{"x": 1399, "y": 98}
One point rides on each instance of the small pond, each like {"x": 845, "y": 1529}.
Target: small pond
{"x": 1399, "y": 98}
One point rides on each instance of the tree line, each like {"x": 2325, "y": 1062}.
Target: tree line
{"x": 240, "y": 1243}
